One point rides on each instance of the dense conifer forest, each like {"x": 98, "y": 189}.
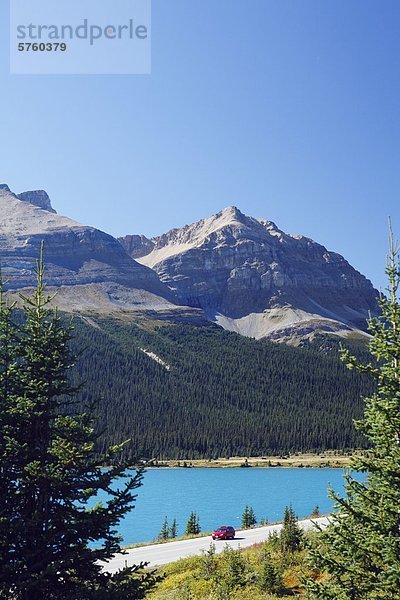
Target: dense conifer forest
{"x": 221, "y": 395}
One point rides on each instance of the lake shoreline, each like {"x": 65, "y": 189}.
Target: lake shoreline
{"x": 219, "y": 497}
{"x": 328, "y": 460}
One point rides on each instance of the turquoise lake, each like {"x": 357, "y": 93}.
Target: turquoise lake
{"x": 220, "y": 495}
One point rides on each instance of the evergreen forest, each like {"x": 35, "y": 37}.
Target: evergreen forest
{"x": 218, "y": 394}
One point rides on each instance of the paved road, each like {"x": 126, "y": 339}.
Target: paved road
{"x": 161, "y": 554}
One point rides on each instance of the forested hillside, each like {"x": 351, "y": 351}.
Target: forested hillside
{"x": 218, "y": 394}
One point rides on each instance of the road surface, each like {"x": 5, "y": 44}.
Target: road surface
{"x": 161, "y": 554}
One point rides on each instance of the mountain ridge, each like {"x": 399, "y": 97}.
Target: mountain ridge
{"x": 76, "y": 255}
{"x": 236, "y": 271}
{"x": 241, "y": 270}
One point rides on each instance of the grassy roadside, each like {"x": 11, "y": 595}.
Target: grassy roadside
{"x": 204, "y": 534}
{"x": 328, "y": 459}
{"x": 264, "y": 571}
{"x": 177, "y": 539}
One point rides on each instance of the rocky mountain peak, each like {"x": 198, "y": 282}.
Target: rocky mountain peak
{"x": 244, "y": 273}
{"x": 227, "y": 226}
{"x": 232, "y": 211}
{"x": 258, "y": 280}
{"x": 38, "y": 198}
{"x": 89, "y": 265}
{"x": 229, "y": 216}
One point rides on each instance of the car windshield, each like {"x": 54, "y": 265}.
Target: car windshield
{"x": 222, "y": 528}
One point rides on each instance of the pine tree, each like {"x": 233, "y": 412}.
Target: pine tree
{"x": 164, "y": 533}
{"x": 198, "y": 528}
{"x": 362, "y": 544}
{"x": 270, "y": 579}
{"x": 193, "y": 525}
{"x": 173, "y": 529}
{"x": 235, "y": 567}
{"x": 209, "y": 564}
{"x": 49, "y": 475}
{"x": 252, "y": 517}
{"x": 315, "y": 512}
{"x": 248, "y": 517}
{"x": 291, "y": 535}
{"x": 245, "y": 517}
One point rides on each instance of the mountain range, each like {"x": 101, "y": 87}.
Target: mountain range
{"x": 159, "y": 367}
{"x": 241, "y": 273}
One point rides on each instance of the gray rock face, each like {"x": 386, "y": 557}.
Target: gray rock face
{"x": 243, "y": 273}
{"x": 75, "y": 254}
{"x": 38, "y": 198}
{"x": 237, "y": 265}
{"x": 136, "y": 245}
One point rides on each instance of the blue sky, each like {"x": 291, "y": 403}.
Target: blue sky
{"x": 289, "y": 109}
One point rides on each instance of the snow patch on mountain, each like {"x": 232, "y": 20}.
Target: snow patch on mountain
{"x": 156, "y": 358}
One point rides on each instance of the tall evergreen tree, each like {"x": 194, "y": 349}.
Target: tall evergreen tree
{"x": 49, "y": 476}
{"x": 209, "y": 563}
{"x": 291, "y": 535}
{"x": 248, "y": 517}
{"x": 245, "y": 517}
{"x": 362, "y": 545}
{"x": 252, "y": 517}
{"x": 235, "y": 567}
{"x": 164, "y": 533}
{"x": 315, "y": 512}
{"x": 173, "y": 530}
{"x": 193, "y": 525}
{"x": 270, "y": 579}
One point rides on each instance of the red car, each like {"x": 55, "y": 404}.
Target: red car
{"x": 223, "y": 533}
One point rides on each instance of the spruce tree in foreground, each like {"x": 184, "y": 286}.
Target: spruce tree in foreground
{"x": 362, "y": 545}
{"x": 209, "y": 564}
{"x": 49, "y": 475}
{"x": 291, "y": 536}
{"x": 234, "y": 567}
{"x": 269, "y": 579}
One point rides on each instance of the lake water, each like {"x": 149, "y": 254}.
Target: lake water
{"x": 220, "y": 495}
